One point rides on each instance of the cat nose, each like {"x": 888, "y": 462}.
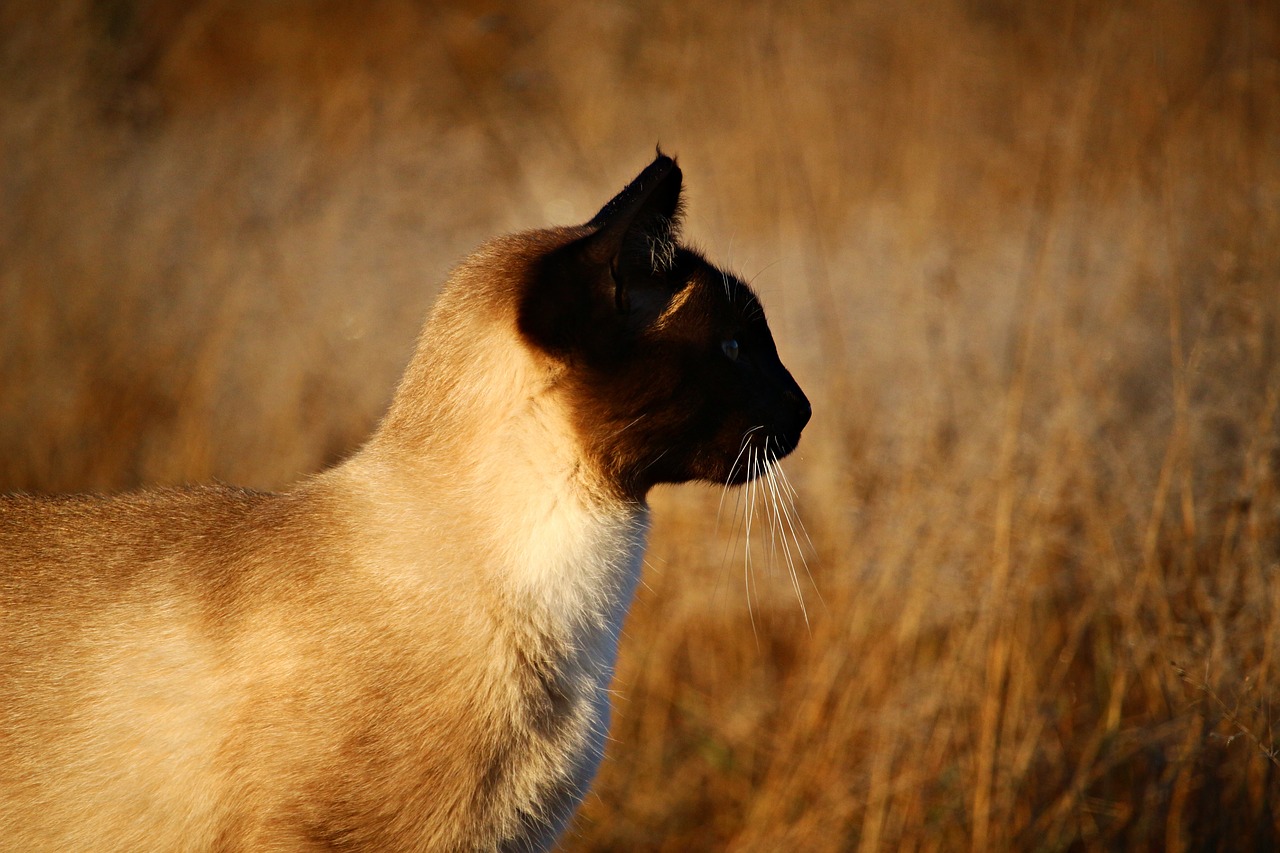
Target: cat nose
{"x": 803, "y": 411}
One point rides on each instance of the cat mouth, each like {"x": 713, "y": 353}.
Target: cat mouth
{"x": 759, "y": 452}
{"x": 782, "y": 447}
{"x": 776, "y": 446}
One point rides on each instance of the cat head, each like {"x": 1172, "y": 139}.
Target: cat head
{"x": 667, "y": 366}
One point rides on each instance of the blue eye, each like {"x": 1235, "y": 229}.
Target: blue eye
{"x": 730, "y": 348}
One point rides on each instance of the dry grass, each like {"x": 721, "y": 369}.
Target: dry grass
{"x": 1025, "y": 258}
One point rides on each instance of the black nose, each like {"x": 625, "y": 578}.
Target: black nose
{"x": 801, "y": 410}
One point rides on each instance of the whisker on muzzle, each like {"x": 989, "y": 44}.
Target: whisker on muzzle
{"x": 767, "y": 491}
{"x": 779, "y": 505}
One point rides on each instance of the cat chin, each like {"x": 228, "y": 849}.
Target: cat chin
{"x": 752, "y": 463}
{"x": 742, "y": 477}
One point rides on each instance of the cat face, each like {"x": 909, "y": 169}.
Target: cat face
{"x": 668, "y": 367}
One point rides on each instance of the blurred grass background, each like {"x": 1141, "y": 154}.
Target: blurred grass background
{"x": 1024, "y": 257}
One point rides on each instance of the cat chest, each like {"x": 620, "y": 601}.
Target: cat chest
{"x": 565, "y": 670}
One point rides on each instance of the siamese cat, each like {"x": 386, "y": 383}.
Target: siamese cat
{"x": 412, "y": 650}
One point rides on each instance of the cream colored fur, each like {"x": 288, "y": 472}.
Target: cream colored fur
{"x": 408, "y": 652}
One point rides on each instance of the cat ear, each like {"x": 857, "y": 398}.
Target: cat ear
{"x": 636, "y": 233}
{"x": 597, "y": 291}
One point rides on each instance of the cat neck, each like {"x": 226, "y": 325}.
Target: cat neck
{"x": 477, "y": 474}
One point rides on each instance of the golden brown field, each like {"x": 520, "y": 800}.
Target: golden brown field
{"x": 1024, "y": 257}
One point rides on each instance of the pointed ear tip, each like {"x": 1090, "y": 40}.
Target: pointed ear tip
{"x": 666, "y": 160}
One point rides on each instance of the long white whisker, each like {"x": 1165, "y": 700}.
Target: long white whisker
{"x": 783, "y": 519}
{"x": 769, "y": 510}
{"x": 737, "y": 526}
{"x": 746, "y": 440}
{"x": 746, "y": 563}
{"x": 728, "y": 480}
{"x": 780, "y": 509}
{"x": 733, "y": 536}
{"x": 792, "y": 516}
{"x": 793, "y": 495}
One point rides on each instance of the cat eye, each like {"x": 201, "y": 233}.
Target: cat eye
{"x": 730, "y": 348}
